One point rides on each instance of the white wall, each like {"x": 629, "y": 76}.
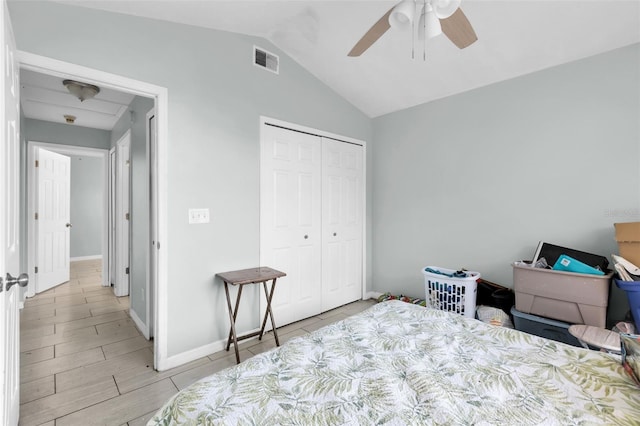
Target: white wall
{"x": 216, "y": 97}
{"x": 476, "y": 180}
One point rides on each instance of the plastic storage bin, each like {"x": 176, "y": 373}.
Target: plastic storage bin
{"x": 633, "y": 294}
{"x": 565, "y": 296}
{"x": 451, "y": 294}
{"x": 543, "y": 327}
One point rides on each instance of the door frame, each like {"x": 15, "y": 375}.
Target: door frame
{"x": 122, "y": 224}
{"x": 32, "y": 193}
{"x": 160, "y": 94}
{"x": 152, "y": 264}
{"x": 264, "y": 120}
{"x": 111, "y": 205}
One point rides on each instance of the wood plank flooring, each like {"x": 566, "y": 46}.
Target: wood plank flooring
{"x": 83, "y": 361}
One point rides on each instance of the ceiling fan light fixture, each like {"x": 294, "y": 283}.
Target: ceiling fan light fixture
{"x": 429, "y": 25}
{"x": 402, "y": 15}
{"x": 82, "y": 91}
{"x": 445, "y": 8}
{"x": 433, "y": 27}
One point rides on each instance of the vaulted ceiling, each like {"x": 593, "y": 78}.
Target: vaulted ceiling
{"x": 515, "y": 37}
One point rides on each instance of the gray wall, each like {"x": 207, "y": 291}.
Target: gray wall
{"x": 46, "y": 131}
{"x": 476, "y": 180}
{"x": 139, "y": 200}
{"x": 87, "y": 180}
{"x": 216, "y": 97}
{"x": 87, "y": 205}
{"x": 473, "y": 180}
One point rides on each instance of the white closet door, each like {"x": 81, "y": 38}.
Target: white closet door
{"x": 290, "y": 221}
{"x": 342, "y": 203}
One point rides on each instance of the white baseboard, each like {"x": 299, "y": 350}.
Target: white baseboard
{"x": 373, "y": 295}
{"x": 202, "y": 351}
{"x": 138, "y": 322}
{"x": 76, "y": 259}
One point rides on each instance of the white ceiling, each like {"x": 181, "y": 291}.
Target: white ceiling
{"x": 43, "y": 97}
{"x": 516, "y": 37}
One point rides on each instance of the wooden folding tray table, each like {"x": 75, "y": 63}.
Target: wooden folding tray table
{"x": 241, "y": 278}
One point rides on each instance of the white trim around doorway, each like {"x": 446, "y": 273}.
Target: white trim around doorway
{"x": 160, "y": 94}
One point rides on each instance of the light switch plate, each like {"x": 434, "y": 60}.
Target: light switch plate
{"x": 198, "y": 216}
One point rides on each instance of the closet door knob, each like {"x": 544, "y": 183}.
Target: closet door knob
{"x": 335, "y": 234}
{"x": 306, "y": 236}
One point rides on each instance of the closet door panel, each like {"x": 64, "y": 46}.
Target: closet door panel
{"x": 342, "y": 203}
{"x": 290, "y": 221}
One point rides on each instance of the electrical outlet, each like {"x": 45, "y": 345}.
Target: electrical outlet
{"x": 198, "y": 216}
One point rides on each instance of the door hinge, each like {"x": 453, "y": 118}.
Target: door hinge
{"x": 126, "y": 271}
{"x": 158, "y": 245}
{"x": 37, "y": 163}
{"x": 126, "y": 216}
{"x": 36, "y": 271}
{"x": 36, "y": 215}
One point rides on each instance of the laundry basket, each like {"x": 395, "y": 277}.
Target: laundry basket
{"x": 633, "y": 294}
{"x": 451, "y": 290}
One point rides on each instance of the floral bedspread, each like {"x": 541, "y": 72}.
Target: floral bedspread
{"x": 402, "y": 364}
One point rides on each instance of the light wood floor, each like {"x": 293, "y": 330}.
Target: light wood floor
{"x": 84, "y": 362}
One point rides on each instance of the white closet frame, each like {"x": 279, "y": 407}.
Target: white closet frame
{"x": 264, "y": 121}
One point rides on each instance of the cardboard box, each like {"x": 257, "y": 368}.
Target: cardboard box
{"x": 566, "y": 296}
{"x": 628, "y": 238}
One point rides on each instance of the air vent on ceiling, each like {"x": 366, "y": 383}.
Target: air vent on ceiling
{"x": 266, "y": 60}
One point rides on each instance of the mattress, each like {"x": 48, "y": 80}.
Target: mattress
{"x": 402, "y": 364}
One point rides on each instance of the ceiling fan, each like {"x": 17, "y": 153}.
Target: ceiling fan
{"x": 434, "y": 17}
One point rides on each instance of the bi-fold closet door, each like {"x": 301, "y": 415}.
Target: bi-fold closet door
{"x": 311, "y": 220}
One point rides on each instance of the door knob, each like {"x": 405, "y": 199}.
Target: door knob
{"x": 306, "y": 236}
{"x": 68, "y": 225}
{"x": 22, "y": 280}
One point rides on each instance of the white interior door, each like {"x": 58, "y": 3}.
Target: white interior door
{"x": 53, "y": 215}
{"x": 290, "y": 220}
{"x": 9, "y": 228}
{"x": 342, "y": 204}
{"x": 123, "y": 176}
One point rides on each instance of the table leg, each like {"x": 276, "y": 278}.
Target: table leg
{"x": 235, "y": 313}
{"x": 269, "y": 312}
{"x": 232, "y": 319}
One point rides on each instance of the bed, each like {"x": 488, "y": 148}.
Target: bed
{"x": 401, "y": 364}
